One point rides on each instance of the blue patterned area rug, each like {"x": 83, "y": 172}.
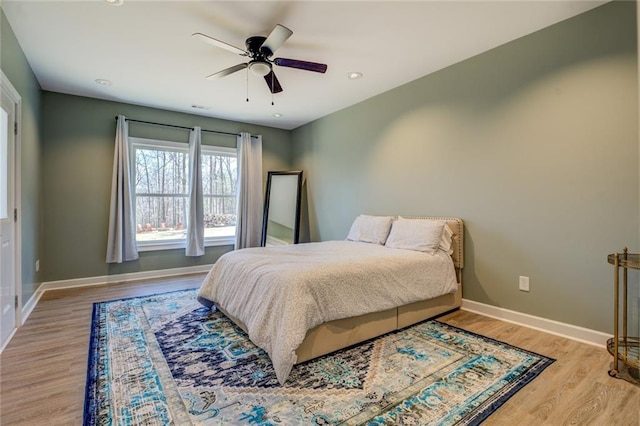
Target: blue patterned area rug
{"x": 165, "y": 359}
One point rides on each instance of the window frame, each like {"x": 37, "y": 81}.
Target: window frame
{"x": 155, "y": 144}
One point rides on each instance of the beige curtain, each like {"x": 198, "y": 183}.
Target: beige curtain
{"x": 121, "y": 242}
{"x": 249, "y": 222}
{"x": 195, "y": 221}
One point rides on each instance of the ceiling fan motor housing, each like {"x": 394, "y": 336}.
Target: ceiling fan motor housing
{"x": 254, "y": 46}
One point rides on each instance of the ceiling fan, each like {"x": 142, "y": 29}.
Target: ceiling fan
{"x": 259, "y": 51}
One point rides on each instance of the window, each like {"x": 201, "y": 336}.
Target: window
{"x": 161, "y": 196}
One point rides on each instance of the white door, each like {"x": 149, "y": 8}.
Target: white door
{"x": 7, "y": 221}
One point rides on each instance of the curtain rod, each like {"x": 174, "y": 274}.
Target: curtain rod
{"x": 181, "y": 127}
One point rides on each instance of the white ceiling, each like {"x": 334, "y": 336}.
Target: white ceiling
{"x": 146, "y": 50}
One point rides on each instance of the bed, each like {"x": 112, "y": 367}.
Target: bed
{"x": 331, "y": 295}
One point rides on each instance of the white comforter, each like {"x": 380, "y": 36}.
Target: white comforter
{"x": 280, "y": 293}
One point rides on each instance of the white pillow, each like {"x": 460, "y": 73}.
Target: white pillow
{"x": 370, "y": 229}
{"x": 447, "y": 240}
{"x": 416, "y": 234}
{"x": 447, "y": 236}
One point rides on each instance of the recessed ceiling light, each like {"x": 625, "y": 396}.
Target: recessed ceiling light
{"x": 354, "y": 75}
{"x": 115, "y": 2}
{"x": 277, "y": 115}
{"x": 200, "y": 107}
{"x": 103, "y": 82}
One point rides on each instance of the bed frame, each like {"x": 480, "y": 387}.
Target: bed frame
{"x": 339, "y": 334}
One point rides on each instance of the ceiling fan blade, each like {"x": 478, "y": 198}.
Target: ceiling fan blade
{"x": 227, "y": 71}
{"x": 219, "y": 43}
{"x": 278, "y": 36}
{"x": 302, "y": 65}
{"x": 273, "y": 83}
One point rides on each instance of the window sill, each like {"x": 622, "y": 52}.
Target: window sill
{"x": 173, "y": 245}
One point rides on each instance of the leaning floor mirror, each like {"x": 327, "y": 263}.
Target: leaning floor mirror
{"x": 281, "y": 221}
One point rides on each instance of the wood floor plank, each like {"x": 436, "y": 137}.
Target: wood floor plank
{"x": 566, "y": 392}
{"x": 43, "y": 369}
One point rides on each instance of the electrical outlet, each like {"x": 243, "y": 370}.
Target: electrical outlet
{"x": 523, "y": 283}
{"x": 38, "y": 265}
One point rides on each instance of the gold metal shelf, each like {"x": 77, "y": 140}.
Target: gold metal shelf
{"x": 623, "y": 348}
{"x": 628, "y": 351}
{"x": 625, "y": 260}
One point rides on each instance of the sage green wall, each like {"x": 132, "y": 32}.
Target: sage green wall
{"x": 15, "y": 66}
{"x": 77, "y": 163}
{"x": 534, "y": 144}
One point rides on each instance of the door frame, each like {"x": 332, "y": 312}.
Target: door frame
{"x": 17, "y": 184}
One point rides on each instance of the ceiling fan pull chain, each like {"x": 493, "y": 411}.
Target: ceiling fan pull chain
{"x": 247, "y": 84}
{"x": 272, "y": 84}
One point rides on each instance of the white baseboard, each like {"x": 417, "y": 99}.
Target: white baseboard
{"x": 27, "y": 308}
{"x": 4, "y": 344}
{"x": 573, "y": 332}
{"x": 121, "y": 278}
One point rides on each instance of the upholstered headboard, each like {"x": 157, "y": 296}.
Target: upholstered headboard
{"x": 457, "y": 227}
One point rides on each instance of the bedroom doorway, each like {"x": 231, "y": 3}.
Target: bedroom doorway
{"x": 9, "y": 112}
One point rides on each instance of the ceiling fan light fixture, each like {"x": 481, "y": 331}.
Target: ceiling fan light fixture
{"x": 260, "y": 68}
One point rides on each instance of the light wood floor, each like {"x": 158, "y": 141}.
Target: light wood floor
{"x": 43, "y": 369}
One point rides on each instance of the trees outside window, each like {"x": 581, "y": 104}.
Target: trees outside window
{"x": 161, "y": 179}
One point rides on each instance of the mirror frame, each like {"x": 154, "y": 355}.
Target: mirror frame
{"x": 265, "y": 217}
